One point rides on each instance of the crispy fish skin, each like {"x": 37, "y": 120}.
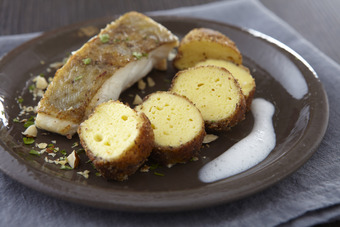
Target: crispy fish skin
{"x": 122, "y": 53}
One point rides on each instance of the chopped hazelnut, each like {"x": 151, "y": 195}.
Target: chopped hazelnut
{"x": 31, "y": 131}
{"x": 41, "y": 83}
{"x": 141, "y": 84}
{"x": 138, "y": 100}
{"x": 209, "y": 138}
{"x": 150, "y": 81}
{"x": 73, "y": 160}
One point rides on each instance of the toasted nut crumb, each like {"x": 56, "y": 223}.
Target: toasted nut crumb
{"x": 40, "y": 82}
{"x": 73, "y": 159}
{"x": 209, "y": 138}
{"x": 42, "y": 145}
{"x": 56, "y": 65}
{"x": 141, "y": 84}
{"x": 31, "y": 131}
{"x": 84, "y": 173}
{"x": 145, "y": 169}
{"x": 150, "y": 82}
{"x": 138, "y": 100}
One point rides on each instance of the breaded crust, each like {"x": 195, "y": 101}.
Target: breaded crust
{"x": 133, "y": 157}
{"x": 169, "y": 156}
{"x": 250, "y": 96}
{"x": 227, "y": 123}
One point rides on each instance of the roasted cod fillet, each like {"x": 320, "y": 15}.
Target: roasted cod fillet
{"x": 121, "y": 54}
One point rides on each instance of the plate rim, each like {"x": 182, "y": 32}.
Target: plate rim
{"x": 160, "y": 206}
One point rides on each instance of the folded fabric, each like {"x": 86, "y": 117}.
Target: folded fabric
{"x": 308, "y": 197}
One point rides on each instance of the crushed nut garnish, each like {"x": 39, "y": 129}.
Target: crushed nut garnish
{"x": 73, "y": 160}
{"x": 31, "y": 131}
{"x": 150, "y": 81}
{"x": 138, "y": 100}
{"x": 210, "y": 138}
{"x": 144, "y": 169}
{"x": 141, "y": 84}
{"x": 42, "y": 145}
{"x": 84, "y": 173}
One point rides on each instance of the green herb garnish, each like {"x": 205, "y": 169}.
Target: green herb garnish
{"x": 34, "y": 152}
{"x": 31, "y": 87}
{"x": 158, "y": 174}
{"x": 78, "y": 78}
{"x": 63, "y": 152}
{"x": 50, "y": 148}
{"x": 16, "y": 120}
{"x": 79, "y": 151}
{"x": 87, "y": 61}
{"x": 28, "y": 140}
{"x": 66, "y": 167}
{"x": 29, "y": 122}
{"x": 154, "y": 166}
{"x": 139, "y": 55}
{"x": 104, "y": 38}
{"x": 20, "y": 100}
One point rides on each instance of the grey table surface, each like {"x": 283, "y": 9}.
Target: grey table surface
{"x": 317, "y": 21}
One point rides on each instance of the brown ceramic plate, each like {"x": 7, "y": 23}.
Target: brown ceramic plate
{"x": 282, "y": 77}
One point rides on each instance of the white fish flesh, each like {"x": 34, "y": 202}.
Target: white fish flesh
{"x": 120, "y": 55}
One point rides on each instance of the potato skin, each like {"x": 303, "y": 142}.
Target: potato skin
{"x": 130, "y": 161}
{"x": 226, "y": 48}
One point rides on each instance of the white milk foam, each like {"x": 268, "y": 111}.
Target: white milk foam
{"x": 249, "y": 151}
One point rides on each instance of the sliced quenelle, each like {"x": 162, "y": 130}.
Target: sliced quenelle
{"x": 240, "y": 73}
{"x": 117, "y": 139}
{"x": 177, "y": 124}
{"x": 215, "y": 92}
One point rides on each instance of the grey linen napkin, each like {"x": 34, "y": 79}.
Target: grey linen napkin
{"x": 310, "y": 196}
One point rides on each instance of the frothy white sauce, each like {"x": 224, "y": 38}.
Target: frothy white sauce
{"x": 249, "y": 151}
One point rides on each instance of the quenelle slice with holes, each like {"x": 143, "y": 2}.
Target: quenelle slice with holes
{"x": 117, "y": 139}
{"x": 215, "y": 92}
{"x": 240, "y": 73}
{"x": 177, "y": 124}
